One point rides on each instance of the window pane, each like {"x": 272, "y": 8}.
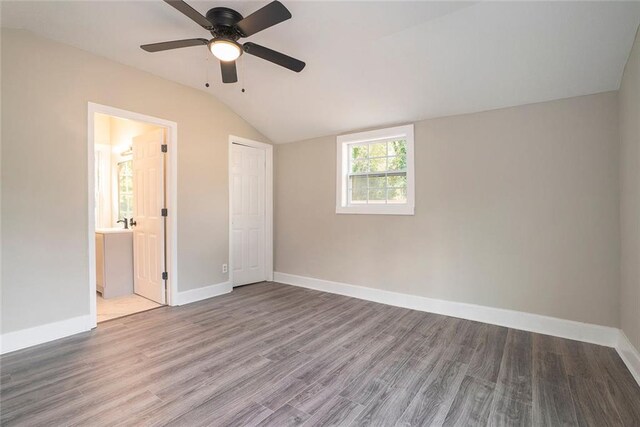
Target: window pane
{"x": 359, "y": 151}
{"x": 377, "y": 195}
{"x": 397, "y": 148}
{"x": 359, "y": 195}
{"x": 358, "y": 188}
{"x": 125, "y": 189}
{"x": 397, "y": 180}
{"x": 126, "y": 206}
{"x": 397, "y": 195}
{"x": 359, "y": 166}
{"x": 378, "y": 165}
{"x": 377, "y": 181}
{"x": 397, "y": 163}
{"x": 378, "y": 150}
{"x": 358, "y": 182}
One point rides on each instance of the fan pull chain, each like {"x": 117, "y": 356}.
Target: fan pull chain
{"x": 242, "y": 76}
{"x": 206, "y": 70}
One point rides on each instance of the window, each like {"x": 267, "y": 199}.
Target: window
{"x": 375, "y": 172}
{"x": 125, "y": 189}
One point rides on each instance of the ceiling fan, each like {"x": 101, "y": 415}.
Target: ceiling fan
{"x": 227, "y": 26}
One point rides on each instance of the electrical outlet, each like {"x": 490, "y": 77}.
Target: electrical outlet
{"x": 224, "y": 268}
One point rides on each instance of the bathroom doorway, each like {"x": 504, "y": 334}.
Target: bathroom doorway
{"x": 131, "y": 172}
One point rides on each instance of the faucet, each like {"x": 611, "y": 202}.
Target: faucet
{"x": 126, "y": 223}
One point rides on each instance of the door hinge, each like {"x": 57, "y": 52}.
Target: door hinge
{"x": 164, "y": 212}
{"x": 165, "y": 275}
{"x": 163, "y": 147}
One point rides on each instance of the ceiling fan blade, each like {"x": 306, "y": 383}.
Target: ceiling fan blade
{"x": 191, "y": 13}
{"x": 270, "y": 15}
{"x": 229, "y": 74}
{"x": 273, "y": 56}
{"x": 175, "y": 44}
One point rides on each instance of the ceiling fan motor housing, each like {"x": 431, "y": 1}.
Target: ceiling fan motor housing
{"x": 224, "y": 22}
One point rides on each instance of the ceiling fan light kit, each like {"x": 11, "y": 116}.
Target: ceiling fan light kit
{"x": 227, "y": 26}
{"x": 225, "y": 50}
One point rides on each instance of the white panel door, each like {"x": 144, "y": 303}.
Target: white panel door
{"x": 248, "y": 214}
{"x": 148, "y": 201}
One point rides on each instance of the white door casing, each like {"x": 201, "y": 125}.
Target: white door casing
{"x": 148, "y": 202}
{"x": 171, "y": 200}
{"x": 248, "y": 223}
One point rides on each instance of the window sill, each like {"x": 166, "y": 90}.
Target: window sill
{"x": 376, "y": 210}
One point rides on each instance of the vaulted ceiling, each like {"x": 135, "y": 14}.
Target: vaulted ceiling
{"x": 368, "y": 63}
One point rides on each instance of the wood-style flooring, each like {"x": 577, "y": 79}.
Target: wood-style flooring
{"x": 271, "y": 354}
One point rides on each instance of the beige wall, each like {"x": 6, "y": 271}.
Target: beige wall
{"x": 45, "y": 90}
{"x": 515, "y": 208}
{"x": 629, "y": 97}
{"x": 102, "y": 129}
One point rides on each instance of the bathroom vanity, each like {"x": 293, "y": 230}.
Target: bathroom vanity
{"x": 114, "y": 262}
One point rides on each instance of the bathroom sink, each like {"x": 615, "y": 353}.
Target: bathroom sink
{"x": 113, "y": 230}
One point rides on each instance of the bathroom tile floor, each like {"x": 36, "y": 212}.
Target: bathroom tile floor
{"x": 113, "y": 308}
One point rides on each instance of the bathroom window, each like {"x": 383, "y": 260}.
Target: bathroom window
{"x": 125, "y": 189}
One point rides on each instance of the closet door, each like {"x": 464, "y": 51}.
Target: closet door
{"x": 248, "y": 177}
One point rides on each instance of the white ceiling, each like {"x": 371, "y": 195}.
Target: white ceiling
{"x": 368, "y": 63}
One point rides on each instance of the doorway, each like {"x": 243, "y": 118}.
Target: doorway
{"x": 132, "y": 216}
{"x": 250, "y": 211}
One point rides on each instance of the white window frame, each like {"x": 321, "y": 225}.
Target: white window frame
{"x": 342, "y": 167}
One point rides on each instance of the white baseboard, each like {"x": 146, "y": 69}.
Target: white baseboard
{"x": 629, "y": 355}
{"x": 24, "y": 338}
{"x": 193, "y": 295}
{"x": 586, "y": 332}
{"x": 596, "y": 334}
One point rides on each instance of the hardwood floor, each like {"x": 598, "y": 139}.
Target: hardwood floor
{"x": 271, "y": 354}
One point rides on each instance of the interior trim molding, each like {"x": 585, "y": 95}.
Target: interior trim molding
{"x": 629, "y": 355}
{"x": 17, "y": 340}
{"x": 13, "y": 341}
{"x": 595, "y": 334}
{"x": 193, "y": 295}
{"x": 563, "y": 328}
{"x": 171, "y": 200}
